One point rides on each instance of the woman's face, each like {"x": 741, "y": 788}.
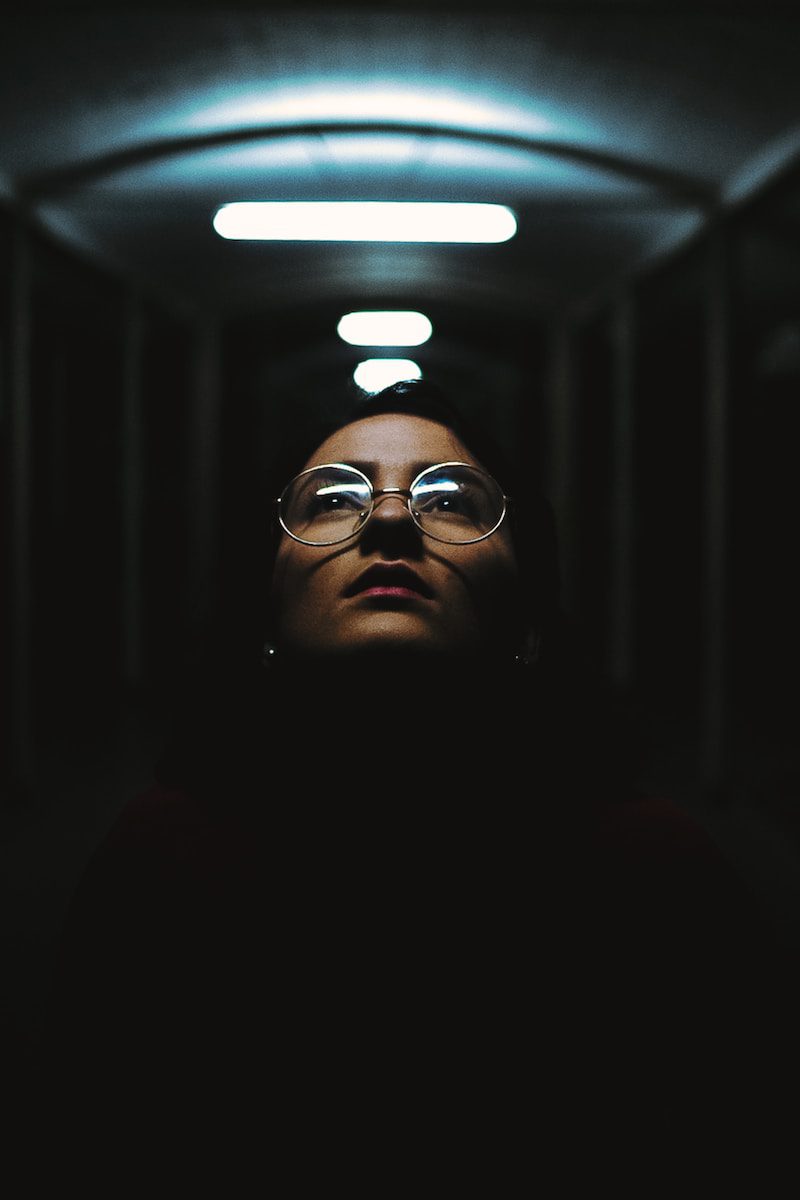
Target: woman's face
{"x": 391, "y": 587}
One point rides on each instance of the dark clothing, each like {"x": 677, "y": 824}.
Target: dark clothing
{"x": 400, "y": 933}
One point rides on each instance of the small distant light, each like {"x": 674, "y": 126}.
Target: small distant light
{"x": 365, "y": 221}
{"x": 384, "y": 328}
{"x": 374, "y": 374}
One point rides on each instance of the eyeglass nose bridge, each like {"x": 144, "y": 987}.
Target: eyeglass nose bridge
{"x": 400, "y": 493}
{"x": 405, "y": 493}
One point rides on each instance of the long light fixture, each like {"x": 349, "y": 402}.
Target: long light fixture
{"x": 384, "y": 328}
{"x": 364, "y": 221}
{"x": 374, "y": 374}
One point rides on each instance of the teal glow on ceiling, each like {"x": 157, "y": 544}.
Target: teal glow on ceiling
{"x": 351, "y": 100}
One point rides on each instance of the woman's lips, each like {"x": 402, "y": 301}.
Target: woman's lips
{"x": 394, "y": 581}
{"x": 395, "y": 593}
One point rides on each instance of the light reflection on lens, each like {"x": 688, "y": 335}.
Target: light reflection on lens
{"x": 444, "y": 486}
{"x": 342, "y": 487}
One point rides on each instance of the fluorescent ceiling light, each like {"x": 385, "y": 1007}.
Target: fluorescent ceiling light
{"x": 374, "y": 374}
{"x": 384, "y": 328}
{"x": 365, "y": 221}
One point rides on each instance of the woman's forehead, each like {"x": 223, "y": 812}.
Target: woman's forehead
{"x": 392, "y": 440}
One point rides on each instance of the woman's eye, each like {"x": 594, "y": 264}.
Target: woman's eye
{"x": 456, "y": 503}
{"x": 331, "y": 502}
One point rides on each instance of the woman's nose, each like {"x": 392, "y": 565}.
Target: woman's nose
{"x": 391, "y": 524}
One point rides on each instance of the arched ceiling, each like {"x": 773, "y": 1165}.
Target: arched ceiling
{"x": 613, "y": 131}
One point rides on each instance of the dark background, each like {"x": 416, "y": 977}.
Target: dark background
{"x": 636, "y": 347}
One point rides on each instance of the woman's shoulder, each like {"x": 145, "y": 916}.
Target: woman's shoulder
{"x": 163, "y": 828}
{"x": 656, "y": 825}
{"x": 154, "y": 815}
{"x": 660, "y": 848}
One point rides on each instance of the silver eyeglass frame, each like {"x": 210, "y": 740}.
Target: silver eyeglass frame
{"x": 392, "y": 491}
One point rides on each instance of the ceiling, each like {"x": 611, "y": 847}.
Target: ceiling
{"x": 613, "y": 131}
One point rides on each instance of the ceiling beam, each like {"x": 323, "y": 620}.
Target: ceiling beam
{"x": 673, "y": 184}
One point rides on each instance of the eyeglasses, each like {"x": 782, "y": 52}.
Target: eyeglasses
{"x": 450, "y": 502}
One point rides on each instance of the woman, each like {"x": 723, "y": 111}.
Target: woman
{"x": 393, "y": 873}
{"x": 485, "y": 606}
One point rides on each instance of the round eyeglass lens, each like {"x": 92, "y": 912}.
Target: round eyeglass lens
{"x": 457, "y": 503}
{"x": 325, "y": 505}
